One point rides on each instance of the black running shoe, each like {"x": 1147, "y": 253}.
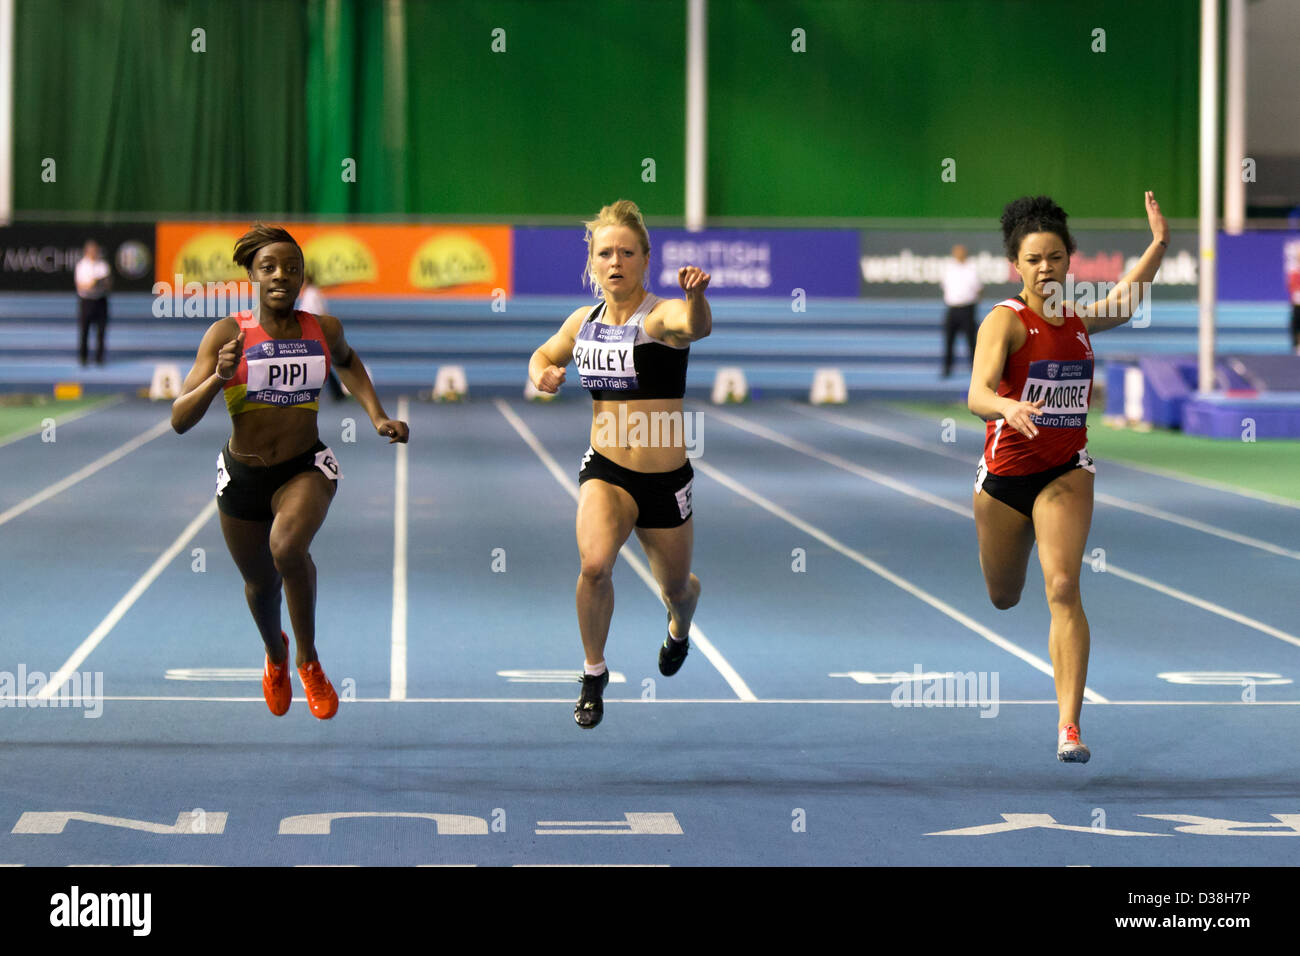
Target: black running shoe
{"x": 672, "y": 653}
{"x": 591, "y": 706}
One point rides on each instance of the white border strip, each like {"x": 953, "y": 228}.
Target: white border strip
{"x": 12, "y": 704}
{"x": 733, "y": 679}
{"x": 397, "y": 667}
{"x": 119, "y": 610}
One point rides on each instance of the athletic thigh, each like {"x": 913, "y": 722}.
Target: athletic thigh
{"x": 606, "y": 516}
{"x": 669, "y": 551}
{"x": 249, "y": 543}
{"x": 1062, "y": 519}
{"x": 1005, "y": 539}
{"x": 300, "y": 506}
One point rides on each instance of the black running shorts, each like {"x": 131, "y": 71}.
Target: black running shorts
{"x": 244, "y": 491}
{"x": 1020, "y": 491}
{"x": 663, "y": 499}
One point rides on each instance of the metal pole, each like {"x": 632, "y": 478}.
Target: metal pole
{"x": 696, "y": 90}
{"x": 1209, "y": 188}
{"x": 6, "y": 111}
{"x": 1234, "y": 121}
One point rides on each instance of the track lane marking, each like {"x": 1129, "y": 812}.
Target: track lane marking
{"x": 794, "y": 445}
{"x": 119, "y": 610}
{"x": 1033, "y": 660}
{"x": 1193, "y": 524}
{"x": 86, "y": 471}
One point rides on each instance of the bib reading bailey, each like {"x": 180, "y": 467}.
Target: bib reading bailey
{"x": 278, "y": 373}
{"x": 1055, "y": 365}
{"x": 623, "y": 363}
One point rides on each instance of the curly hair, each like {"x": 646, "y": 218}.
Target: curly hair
{"x": 258, "y": 236}
{"x": 1029, "y": 215}
{"x": 622, "y": 213}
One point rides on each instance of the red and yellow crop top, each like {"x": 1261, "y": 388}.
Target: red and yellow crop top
{"x": 278, "y": 373}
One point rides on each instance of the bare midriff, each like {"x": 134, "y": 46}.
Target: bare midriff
{"x": 269, "y": 436}
{"x": 647, "y": 435}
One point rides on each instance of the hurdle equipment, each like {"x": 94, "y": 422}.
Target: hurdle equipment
{"x": 828, "y": 387}
{"x": 729, "y": 386}
{"x": 166, "y": 383}
{"x": 450, "y": 385}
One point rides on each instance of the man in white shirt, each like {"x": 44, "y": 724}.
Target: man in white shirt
{"x": 93, "y": 277}
{"x": 961, "y": 293}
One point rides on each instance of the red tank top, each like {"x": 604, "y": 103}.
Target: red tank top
{"x": 278, "y": 373}
{"x": 1055, "y": 364}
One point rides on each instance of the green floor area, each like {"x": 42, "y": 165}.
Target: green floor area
{"x": 1271, "y": 467}
{"x": 20, "y": 413}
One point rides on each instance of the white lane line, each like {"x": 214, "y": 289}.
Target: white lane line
{"x": 714, "y": 656}
{"x": 889, "y": 434}
{"x": 1203, "y": 604}
{"x": 397, "y": 668}
{"x": 1033, "y": 660}
{"x": 19, "y": 702}
{"x": 925, "y": 496}
{"x": 119, "y": 610}
{"x": 1195, "y": 525}
{"x": 1180, "y": 476}
{"x": 82, "y": 473}
{"x": 61, "y": 420}
{"x": 878, "y": 477}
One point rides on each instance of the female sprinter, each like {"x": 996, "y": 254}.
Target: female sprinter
{"x": 631, "y": 351}
{"x": 275, "y": 477}
{"x": 1031, "y": 382}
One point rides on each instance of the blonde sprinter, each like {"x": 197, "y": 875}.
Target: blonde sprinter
{"x": 630, "y": 351}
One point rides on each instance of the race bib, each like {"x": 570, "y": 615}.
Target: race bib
{"x": 603, "y": 354}
{"x": 285, "y": 372}
{"x": 223, "y": 476}
{"x": 1065, "y": 387}
{"x": 684, "y": 499}
{"x": 328, "y": 464}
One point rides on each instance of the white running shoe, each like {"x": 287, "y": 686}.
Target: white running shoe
{"x": 1068, "y": 747}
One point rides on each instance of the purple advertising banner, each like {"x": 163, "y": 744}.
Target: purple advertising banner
{"x": 911, "y": 263}
{"x": 1252, "y": 266}
{"x": 741, "y": 262}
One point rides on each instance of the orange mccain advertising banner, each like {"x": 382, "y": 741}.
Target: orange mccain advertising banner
{"x": 361, "y": 260}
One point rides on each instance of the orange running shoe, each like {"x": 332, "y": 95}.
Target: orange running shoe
{"x": 276, "y": 687}
{"x": 321, "y": 698}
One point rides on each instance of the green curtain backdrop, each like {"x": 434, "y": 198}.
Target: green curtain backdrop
{"x": 293, "y": 96}
{"x": 557, "y": 125}
{"x": 860, "y": 123}
{"x": 138, "y": 123}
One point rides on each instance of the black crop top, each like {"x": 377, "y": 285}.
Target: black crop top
{"x": 623, "y": 363}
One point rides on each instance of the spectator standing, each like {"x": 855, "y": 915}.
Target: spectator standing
{"x": 93, "y": 277}
{"x": 961, "y": 293}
